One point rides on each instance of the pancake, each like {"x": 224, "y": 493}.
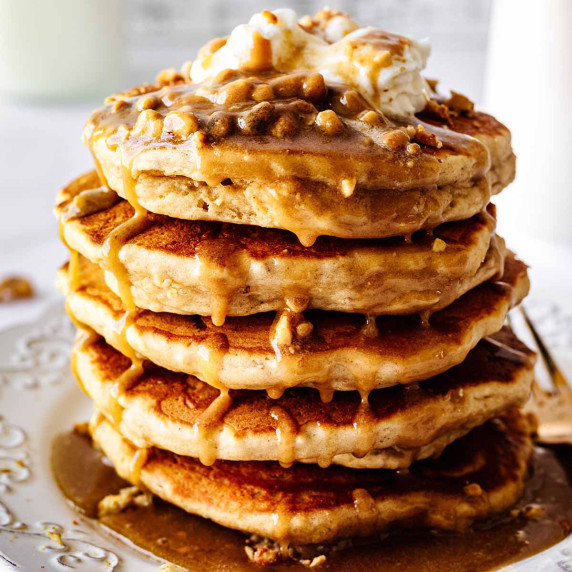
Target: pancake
{"x": 187, "y": 157}
{"x": 478, "y": 476}
{"x": 399, "y": 425}
{"x": 208, "y": 268}
{"x": 330, "y": 351}
{"x": 493, "y": 135}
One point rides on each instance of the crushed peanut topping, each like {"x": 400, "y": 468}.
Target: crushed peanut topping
{"x": 533, "y": 511}
{"x": 395, "y": 139}
{"x": 169, "y": 76}
{"x": 473, "y": 490}
{"x": 148, "y": 124}
{"x": 460, "y": 104}
{"x": 425, "y": 138}
{"x": 439, "y": 245}
{"x": 128, "y": 496}
{"x": 329, "y": 122}
{"x": 15, "y": 288}
{"x": 55, "y": 537}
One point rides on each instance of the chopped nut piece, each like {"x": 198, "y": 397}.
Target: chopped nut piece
{"x": 395, "y": 139}
{"x": 425, "y": 138}
{"x": 180, "y": 124}
{"x": 413, "y": 148}
{"x": 148, "y": 124}
{"x": 353, "y": 101}
{"x": 253, "y": 121}
{"x": 55, "y": 537}
{"x": 371, "y": 117}
{"x": 439, "y": 245}
{"x": 460, "y": 103}
{"x": 438, "y": 110}
{"x": 348, "y": 187}
{"x": 119, "y": 105}
{"x": 14, "y": 288}
{"x": 169, "y": 76}
{"x": 147, "y": 102}
{"x": 473, "y": 490}
{"x": 288, "y": 85}
{"x": 234, "y": 92}
{"x": 263, "y": 92}
{"x": 285, "y": 126}
{"x": 329, "y": 122}
{"x": 533, "y": 511}
{"x": 128, "y": 496}
{"x": 304, "y": 329}
{"x": 314, "y": 87}
{"x": 220, "y": 124}
{"x": 433, "y": 84}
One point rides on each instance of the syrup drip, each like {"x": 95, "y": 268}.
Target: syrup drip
{"x": 136, "y": 465}
{"x": 326, "y": 457}
{"x": 211, "y": 356}
{"x": 122, "y": 234}
{"x": 425, "y": 317}
{"x": 86, "y": 336}
{"x": 281, "y": 519}
{"x": 132, "y": 374}
{"x": 286, "y": 431}
{"x": 370, "y": 329}
{"x": 364, "y": 426}
{"x": 365, "y": 506}
{"x": 209, "y": 425}
{"x": 222, "y": 275}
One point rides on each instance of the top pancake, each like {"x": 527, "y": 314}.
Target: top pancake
{"x": 195, "y": 152}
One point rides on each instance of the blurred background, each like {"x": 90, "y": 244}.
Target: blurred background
{"x": 59, "y": 59}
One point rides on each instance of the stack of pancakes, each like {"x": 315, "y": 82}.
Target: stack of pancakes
{"x": 291, "y": 307}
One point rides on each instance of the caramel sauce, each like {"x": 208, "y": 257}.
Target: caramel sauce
{"x": 187, "y": 540}
{"x": 209, "y": 425}
{"x": 286, "y": 433}
{"x": 226, "y": 122}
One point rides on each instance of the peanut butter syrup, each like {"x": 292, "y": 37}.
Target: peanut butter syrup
{"x": 542, "y": 518}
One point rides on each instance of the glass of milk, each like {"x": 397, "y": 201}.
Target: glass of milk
{"x": 59, "y": 49}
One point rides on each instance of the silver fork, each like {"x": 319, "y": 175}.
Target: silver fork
{"x": 551, "y": 406}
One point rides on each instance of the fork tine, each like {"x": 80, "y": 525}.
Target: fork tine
{"x": 558, "y": 378}
{"x": 542, "y": 375}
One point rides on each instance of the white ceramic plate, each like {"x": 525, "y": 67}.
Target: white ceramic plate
{"x": 39, "y": 399}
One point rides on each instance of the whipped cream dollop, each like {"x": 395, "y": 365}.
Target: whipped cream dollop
{"x": 385, "y": 68}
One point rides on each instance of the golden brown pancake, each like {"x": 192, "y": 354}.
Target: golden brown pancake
{"x": 187, "y": 157}
{"x": 477, "y": 476}
{"x": 208, "y": 268}
{"x": 400, "y": 425}
{"x": 339, "y": 353}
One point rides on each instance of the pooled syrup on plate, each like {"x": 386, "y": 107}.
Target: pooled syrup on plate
{"x": 189, "y": 541}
